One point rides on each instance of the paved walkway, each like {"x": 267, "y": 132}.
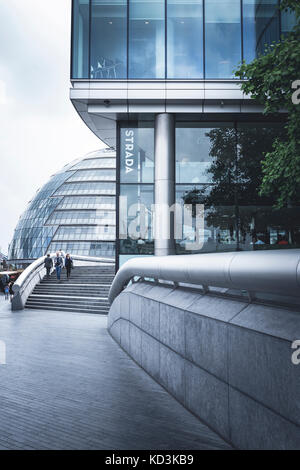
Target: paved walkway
{"x": 67, "y": 385}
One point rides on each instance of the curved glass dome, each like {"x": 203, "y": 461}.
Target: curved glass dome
{"x": 75, "y": 212}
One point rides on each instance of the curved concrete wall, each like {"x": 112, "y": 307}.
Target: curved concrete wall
{"x": 227, "y": 361}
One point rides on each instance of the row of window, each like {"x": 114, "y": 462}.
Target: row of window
{"x": 86, "y": 188}
{"x": 91, "y": 217}
{"x": 91, "y": 202}
{"x": 101, "y": 249}
{"x": 106, "y": 162}
{"x": 176, "y": 39}
{"x": 93, "y": 175}
{"x": 85, "y": 233}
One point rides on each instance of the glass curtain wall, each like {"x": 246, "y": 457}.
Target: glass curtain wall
{"x": 236, "y": 217}
{"x": 174, "y": 39}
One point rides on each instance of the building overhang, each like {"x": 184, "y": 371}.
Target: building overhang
{"x": 101, "y": 103}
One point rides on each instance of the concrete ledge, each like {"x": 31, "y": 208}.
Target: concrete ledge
{"x": 227, "y": 361}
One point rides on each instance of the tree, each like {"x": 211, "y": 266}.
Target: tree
{"x": 269, "y": 80}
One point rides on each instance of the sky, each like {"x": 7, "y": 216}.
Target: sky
{"x": 40, "y": 131}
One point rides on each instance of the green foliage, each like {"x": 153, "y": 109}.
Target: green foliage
{"x": 268, "y": 80}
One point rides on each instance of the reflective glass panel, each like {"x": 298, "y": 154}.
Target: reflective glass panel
{"x": 185, "y": 39}
{"x": 108, "y": 39}
{"x": 94, "y": 175}
{"x": 80, "y": 36}
{"x": 288, "y": 21}
{"x": 135, "y": 219}
{"x": 260, "y": 26}
{"x": 146, "y": 39}
{"x": 86, "y": 188}
{"x": 222, "y": 37}
{"x": 197, "y": 149}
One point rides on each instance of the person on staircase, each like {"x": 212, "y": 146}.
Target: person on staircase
{"x": 48, "y": 265}
{"x": 68, "y": 265}
{"x": 58, "y": 263}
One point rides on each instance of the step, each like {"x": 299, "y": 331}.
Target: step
{"x": 66, "y": 309}
{"x": 72, "y": 299}
{"x": 76, "y": 294}
{"x": 85, "y": 305}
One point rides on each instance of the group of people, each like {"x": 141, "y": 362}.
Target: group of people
{"x": 60, "y": 261}
{"x": 7, "y": 286}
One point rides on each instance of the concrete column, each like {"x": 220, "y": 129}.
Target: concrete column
{"x": 164, "y": 181}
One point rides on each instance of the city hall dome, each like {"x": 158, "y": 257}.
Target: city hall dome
{"x": 75, "y": 211}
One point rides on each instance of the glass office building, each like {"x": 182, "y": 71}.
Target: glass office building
{"x": 75, "y": 212}
{"x": 162, "y": 91}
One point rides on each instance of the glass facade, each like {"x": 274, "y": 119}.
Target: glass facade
{"x": 77, "y": 217}
{"x": 171, "y": 39}
{"x": 218, "y": 165}
{"x": 136, "y": 166}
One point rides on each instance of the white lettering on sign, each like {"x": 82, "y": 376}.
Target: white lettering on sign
{"x": 129, "y": 147}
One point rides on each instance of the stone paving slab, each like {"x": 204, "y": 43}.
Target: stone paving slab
{"x": 68, "y": 385}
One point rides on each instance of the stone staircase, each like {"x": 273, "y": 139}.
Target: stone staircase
{"x": 86, "y": 291}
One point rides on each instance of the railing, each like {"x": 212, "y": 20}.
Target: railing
{"x": 271, "y": 272}
{"x": 35, "y": 272}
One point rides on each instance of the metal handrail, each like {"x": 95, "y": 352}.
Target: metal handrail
{"x": 271, "y": 271}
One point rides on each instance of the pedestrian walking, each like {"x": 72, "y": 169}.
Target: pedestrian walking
{"x": 11, "y": 292}
{"x": 62, "y": 254}
{"x": 4, "y": 281}
{"x": 6, "y": 292}
{"x": 69, "y": 265}
{"x": 48, "y": 263}
{"x": 58, "y": 263}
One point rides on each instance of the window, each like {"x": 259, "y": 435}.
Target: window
{"x": 108, "y": 39}
{"x": 195, "y": 151}
{"x": 222, "y": 38}
{"x": 288, "y": 21}
{"x": 146, "y": 39}
{"x": 260, "y": 26}
{"x": 185, "y": 39}
{"x": 80, "y": 46}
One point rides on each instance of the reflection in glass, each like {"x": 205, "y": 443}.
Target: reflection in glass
{"x": 185, "y": 39}
{"x": 222, "y": 37}
{"x": 193, "y": 152}
{"x": 80, "y": 38}
{"x": 135, "y": 219}
{"x": 108, "y": 39}
{"x": 288, "y": 21}
{"x": 146, "y": 39}
{"x": 260, "y": 26}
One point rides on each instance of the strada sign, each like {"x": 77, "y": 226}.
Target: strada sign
{"x": 129, "y": 156}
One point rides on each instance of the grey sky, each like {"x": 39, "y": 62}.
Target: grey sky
{"x": 40, "y": 130}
